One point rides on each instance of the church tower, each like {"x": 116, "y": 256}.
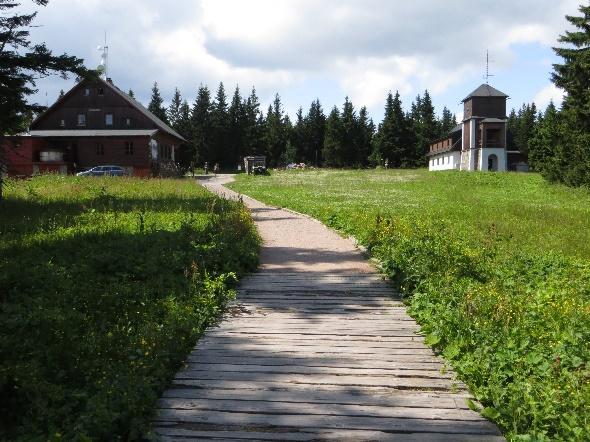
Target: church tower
{"x": 484, "y": 130}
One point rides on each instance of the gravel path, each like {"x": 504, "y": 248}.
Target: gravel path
{"x": 317, "y": 347}
{"x": 294, "y": 242}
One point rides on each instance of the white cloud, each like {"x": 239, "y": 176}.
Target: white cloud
{"x": 547, "y": 94}
{"x": 365, "y": 47}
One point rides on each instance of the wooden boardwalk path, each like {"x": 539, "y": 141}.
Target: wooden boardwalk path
{"x": 316, "y": 347}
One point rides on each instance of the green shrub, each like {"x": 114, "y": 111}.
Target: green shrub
{"x": 105, "y": 286}
{"x": 515, "y": 326}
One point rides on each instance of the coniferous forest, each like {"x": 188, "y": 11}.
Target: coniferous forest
{"x": 223, "y": 129}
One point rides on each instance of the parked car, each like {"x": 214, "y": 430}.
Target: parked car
{"x": 104, "y": 170}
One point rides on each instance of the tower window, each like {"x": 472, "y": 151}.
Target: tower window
{"x": 62, "y": 123}
{"x": 108, "y": 119}
{"x": 81, "y": 119}
{"x": 86, "y": 92}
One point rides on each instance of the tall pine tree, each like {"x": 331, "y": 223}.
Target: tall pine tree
{"x": 156, "y": 105}
{"x": 220, "y": 130}
{"x": 331, "y": 151}
{"x": 201, "y": 127}
{"x": 315, "y": 123}
{"x": 391, "y": 140}
{"x": 174, "y": 109}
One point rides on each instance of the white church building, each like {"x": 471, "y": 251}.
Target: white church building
{"x": 480, "y": 141}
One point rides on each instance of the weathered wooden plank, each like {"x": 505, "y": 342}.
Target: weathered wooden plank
{"x": 332, "y": 395}
{"x": 177, "y": 433}
{"x": 324, "y": 409}
{"x": 291, "y": 338}
{"x": 420, "y": 369}
{"x": 274, "y": 420}
{"x": 280, "y": 358}
{"x": 218, "y": 379}
{"x": 317, "y": 347}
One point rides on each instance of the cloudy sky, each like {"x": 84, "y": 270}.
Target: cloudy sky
{"x": 307, "y": 49}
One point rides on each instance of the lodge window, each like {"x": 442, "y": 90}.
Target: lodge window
{"x": 62, "y": 123}
{"x": 100, "y": 149}
{"x": 108, "y": 119}
{"x": 86, "y": 92}
{"x": 81, "y": 119}
{"x": 100, "y": 91}
{"x": 128, "y": 147}
{"x": 127, "y": 122}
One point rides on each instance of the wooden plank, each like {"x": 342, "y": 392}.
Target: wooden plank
{"x": 288, "y": 358}
{"x": 276, "y": 420}
{"x": 319, "y": 347}
{"x": 324, "y": 409}
{"x": 310, "y": 394}
{"x": 229, "y": 380}
{"x": 178, "y": 433}
{"x": 416, "y": 369}
{"x": 292, "y": 337}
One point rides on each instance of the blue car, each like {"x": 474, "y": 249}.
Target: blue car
{"x": 104, "y": 170}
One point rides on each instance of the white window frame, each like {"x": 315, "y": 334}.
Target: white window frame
{"x": 81, "y": 119}
{"x": 106, "y": 119}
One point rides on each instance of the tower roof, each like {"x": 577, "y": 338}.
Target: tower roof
{"x": 485, "y": 90}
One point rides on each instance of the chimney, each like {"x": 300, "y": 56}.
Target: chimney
{"x": 110, "y": 80}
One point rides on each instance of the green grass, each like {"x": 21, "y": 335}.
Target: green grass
{"x": 105, "y": 286}
{"x": 495, "y": 268}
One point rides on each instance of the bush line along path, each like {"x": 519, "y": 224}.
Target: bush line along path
{"x": 318, "y": 346}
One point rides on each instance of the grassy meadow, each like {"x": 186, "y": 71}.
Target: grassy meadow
{"x": 494, "y": 266}
{"x": 105, "y": 286}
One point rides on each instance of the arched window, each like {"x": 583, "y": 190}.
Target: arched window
{"x": 492, "y": 163}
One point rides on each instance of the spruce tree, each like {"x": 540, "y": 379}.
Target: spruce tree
{"x": 22, "y": 63}
{"x": 253, "y": 141}
{"x": 572, "y": 153}
{"x": 237, "y": 123}
{"x": 447, "y": 122}
{"x": 348, "y": 134}
{"x": 573, "y": 75}
{"x": 186, "y": 154}
{"x": 174, "y": 109}
{"x": 276, "y": 133}
{"x": 300, "y": 138}
{"x": 364, "y": 138}
{"x": 131, "y": 93}
{"x": 201, "y": 127}
{"x": 220, "y": 129}
{"x": 315, "y": 123}
{"x": 331, "y": 152}
{"x": 156, "y": 105}
{"x": 544, "y": 142}
{"x": 427, "y": 129}
{"x": 391, "y": 140}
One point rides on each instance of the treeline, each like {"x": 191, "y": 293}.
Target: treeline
{"x": 223, "y": 130}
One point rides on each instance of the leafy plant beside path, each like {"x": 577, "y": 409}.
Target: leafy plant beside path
{"x": 105, "y": 286}
{"x": 495, "y": 268}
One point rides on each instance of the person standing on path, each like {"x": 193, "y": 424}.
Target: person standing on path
{"x": 216, "y": 169}
{"x": 206, "y": 167}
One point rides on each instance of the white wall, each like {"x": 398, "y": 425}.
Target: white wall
{"x": 499, "y": 152}
{"x": 445, "y": 161}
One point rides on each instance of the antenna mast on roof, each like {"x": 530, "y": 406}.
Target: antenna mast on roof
{"x": 103, "y": 67}
{"x": 487, "y": 75}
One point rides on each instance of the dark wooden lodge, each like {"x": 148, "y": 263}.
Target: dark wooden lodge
{"x": 94, "y": 124}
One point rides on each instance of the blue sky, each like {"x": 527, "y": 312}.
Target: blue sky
{"x": 305, "y": 49}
